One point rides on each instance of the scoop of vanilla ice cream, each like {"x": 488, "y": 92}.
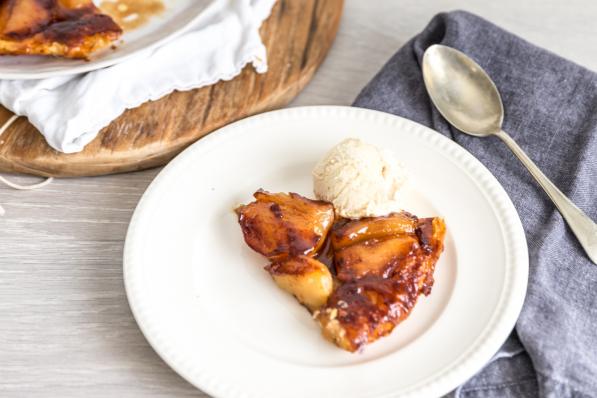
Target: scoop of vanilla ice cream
{"x": 359, "y": 179}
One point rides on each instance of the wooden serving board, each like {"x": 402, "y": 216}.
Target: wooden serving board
{"x": 298, "y": 35}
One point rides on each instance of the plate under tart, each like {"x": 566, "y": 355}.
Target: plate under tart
{"x": 205, "y": 304}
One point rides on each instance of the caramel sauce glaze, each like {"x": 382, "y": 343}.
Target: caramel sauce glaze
{"x": 132, "y": 14}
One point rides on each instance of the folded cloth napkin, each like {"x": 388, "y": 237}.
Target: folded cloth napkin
{"x": 551, "y": 111}
{"x": 70, "y": 110}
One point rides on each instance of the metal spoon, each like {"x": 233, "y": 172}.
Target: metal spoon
{"x": 467, "y": 98}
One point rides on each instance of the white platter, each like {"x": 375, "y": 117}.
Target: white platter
{"x": 178, "y": 15}
{"x": 205, "y": 304}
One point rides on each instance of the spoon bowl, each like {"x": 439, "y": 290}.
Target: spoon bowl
{"x": 462, "y": 92}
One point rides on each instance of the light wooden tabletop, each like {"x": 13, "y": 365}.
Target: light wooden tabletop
{"x": 65, "y": 326}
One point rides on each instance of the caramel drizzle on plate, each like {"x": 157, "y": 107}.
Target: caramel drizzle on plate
{"x": 132, "y": 14}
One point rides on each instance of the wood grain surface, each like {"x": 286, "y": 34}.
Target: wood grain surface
{"x": 65, "y": 326}
{"x": 298, "y": 35}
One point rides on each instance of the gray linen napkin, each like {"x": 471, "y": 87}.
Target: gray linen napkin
{"x": 551, "y": 111}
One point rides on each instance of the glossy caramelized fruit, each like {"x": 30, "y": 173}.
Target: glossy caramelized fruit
{"x": 373, "y": 300}
{"x": 381, "y": 265}
{"x": 65, "y": 28}
{"x": 362, "y": 311}
{"x": 309, "y": 280}
{"x": 279, "y": 225}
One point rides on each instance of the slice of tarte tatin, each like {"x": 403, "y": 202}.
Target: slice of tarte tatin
{"x": 380, "y": 265}
{"x": 62, "y": 28}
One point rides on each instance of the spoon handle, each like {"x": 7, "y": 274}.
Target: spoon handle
{"x": 582, "y": 226}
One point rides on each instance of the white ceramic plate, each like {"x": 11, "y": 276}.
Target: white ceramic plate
{"x": 178, "y": 15}
{"x": 208, "y": 308}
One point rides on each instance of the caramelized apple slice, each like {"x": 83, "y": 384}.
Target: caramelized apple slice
{"x": 431, "y": 233}
{"x": 280, "y": 225}
{"x": 352, "y": 232}
{"x": 385, "y": 278}
{"x": 373, "y": 257}
{"x": 362, "y": 311}
{"x": 307, "y": 279}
